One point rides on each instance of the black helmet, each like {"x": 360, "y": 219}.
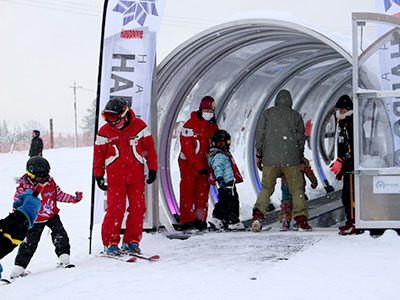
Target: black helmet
{"x": 221, "y": 139}
{"x": 344, "y": 102}
{"x": 38, "y": 169}
{"x": 37, "y": 133}
{"x": 115, "y": 110}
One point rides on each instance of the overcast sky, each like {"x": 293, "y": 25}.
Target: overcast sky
{"x": 46, "y": 45}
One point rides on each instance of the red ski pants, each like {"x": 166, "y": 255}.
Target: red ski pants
{"x": 116, "y": 204}
{"x": 193, "y": 198}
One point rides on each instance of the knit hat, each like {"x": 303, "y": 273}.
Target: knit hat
{"x": 344, "y": 102}
{"x": 37, "y": 133}
{"x": 207, "y": 102}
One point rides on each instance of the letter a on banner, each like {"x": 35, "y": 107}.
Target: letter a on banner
{"x": 127, "y": 58}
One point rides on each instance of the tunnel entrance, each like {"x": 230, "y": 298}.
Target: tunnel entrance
{"x": 243, "y": 64}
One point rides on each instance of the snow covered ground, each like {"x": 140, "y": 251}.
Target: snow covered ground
{"x": 242, "y": 265}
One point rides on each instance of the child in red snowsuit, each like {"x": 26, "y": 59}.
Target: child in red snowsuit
{"x": 285, "y": 214}
{"x": 38, "y": 169}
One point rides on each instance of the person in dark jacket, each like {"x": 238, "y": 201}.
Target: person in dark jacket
{"x": 343, "y": 166}
{"x": 36, "y": 144}
{"x": 14, "y": 227}
{"x": 279, "y": 142}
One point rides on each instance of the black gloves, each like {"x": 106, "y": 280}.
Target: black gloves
{"x": 203, "y": 172}
{"x": 221, "y": 183}
{"x": 101, "y": 183}
{"x": 152, "y": 176}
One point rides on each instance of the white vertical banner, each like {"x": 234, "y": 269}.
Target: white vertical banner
{"x": 389, "y": 60}
{"x": 129, "y": 41}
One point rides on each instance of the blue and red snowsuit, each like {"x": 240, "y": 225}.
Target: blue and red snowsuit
{"x": 194, "y": 187}
{"x": 122, "y": 153}
{"x": 223, "y": 166}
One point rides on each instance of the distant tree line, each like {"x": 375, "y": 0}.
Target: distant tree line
{"x": 18, "y": 133}
{"x": 18, "y": 137}
{"x": 88, "y": 120}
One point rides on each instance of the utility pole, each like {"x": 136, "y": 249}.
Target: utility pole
{"x": 76, "y": 117}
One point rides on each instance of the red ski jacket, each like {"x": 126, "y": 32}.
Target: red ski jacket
{"x": 123, "y": 152}
{"x": 195, "y": 144}
{"x": 50, "y": 194}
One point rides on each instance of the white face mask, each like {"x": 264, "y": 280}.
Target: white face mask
{"x": 339, "y": 115}
{"x": 207, "y": 116}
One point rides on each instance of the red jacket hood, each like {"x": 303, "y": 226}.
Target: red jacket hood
{"x": 193, "y": 115}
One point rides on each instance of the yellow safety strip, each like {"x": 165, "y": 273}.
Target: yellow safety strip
{"x": 30, "y": 174}
{"x": 14, "y": 241}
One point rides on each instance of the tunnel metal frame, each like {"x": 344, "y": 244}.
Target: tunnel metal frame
{"x": 236, "y": 34}
{"x": 380, "y": 215}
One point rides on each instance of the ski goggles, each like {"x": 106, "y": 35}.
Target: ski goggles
{"x": 221, "y": 143}
{"x": 39, "y": 177}
{"x": 112, "y": 116}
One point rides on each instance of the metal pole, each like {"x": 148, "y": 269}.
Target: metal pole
{"x": 76, "y": 117}
{"x": 154, "y": 131}
{"x": 96, "y": 123}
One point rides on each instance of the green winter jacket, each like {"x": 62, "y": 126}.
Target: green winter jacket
{"x": 280, "y": 133}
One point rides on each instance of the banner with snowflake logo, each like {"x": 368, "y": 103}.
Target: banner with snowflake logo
{"x": 127, "y": 60}
{"x": 128, "y": 52}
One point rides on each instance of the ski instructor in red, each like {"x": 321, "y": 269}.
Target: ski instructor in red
{"x": 193, "y": 164}
{"x": 122, "y": 146}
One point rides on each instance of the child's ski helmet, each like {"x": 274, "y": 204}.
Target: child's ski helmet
{"x": 38, "y": 169}
{"x": 221, "y": 139}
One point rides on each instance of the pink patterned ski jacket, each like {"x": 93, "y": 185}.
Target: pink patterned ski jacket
{"x": 49, "y": 196}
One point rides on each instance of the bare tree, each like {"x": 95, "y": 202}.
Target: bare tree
{"x": 26, "y": 132}
{"x": 89, "y": 119}
{"x": 4, "y": 132}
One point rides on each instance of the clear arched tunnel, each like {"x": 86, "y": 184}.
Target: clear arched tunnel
{"x": 243, "y": 64}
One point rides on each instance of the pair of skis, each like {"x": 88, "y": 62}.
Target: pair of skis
{"x": 11, "y": 280}
{"x": 27, "y": 272}
{"x": 130, "y": 257}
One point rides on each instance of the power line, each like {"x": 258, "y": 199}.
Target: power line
{"x": 54, "y": 8}
{"x": 86, "y": 89}
{"x": 100, "y": 5}
{"x": 69, "y": 4}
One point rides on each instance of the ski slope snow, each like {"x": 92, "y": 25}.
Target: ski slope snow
{"x": 242, "y": 265}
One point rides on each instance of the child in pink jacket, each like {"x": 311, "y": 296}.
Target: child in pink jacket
{"x": 38, "y": 169}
